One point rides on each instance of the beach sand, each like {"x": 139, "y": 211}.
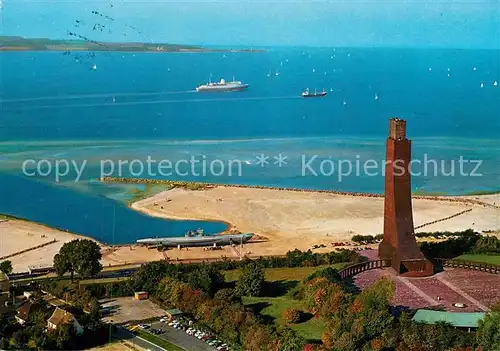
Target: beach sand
{"x": 291, "y": 219}
{"x": 286, "y": 219}
{"x": 18, "y": 235}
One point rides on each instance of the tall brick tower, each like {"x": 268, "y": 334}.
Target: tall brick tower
{"x": 399, "y": 244}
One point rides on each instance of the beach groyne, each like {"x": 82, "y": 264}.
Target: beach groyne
{"x": 192, "y": 185}
{"x": 443, "y": 219}
{"x": 28, "y": 249}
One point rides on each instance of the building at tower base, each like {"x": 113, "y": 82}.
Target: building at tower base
{"x": 399, "y": 244}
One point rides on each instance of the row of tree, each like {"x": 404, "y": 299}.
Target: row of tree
{"x": 462, "y": 243}
{"x": 225, "y": 315}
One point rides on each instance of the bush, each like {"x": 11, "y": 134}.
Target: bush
{"x": 226, "y": 295}
{"x": 292, "y": 315}
{"x": 363, "y": 238}
{"x": 452, "y": 247}
{"x": 331, "y": 274}
{"x": 487, "y": 245}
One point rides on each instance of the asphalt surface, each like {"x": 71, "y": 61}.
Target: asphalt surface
{"x": 179, "y": 337}
{"x": 123, "y": 333}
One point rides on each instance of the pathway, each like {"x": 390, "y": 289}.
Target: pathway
{"x": 463, "y": 294}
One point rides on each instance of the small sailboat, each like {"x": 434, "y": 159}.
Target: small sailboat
{"x": 474, "y": 69}
{"x": 314, "y": 70}
{"x": 344, "y": 102}
{"x": 94, "y": 67}
{"x": 277, "y": 73}
{"x": 376, "y": 97}
{"x": 269, "y": 74}
{"x": 482, "y": 85}
{"x": 495, "y": 83}
{"x": 430, "y": 69}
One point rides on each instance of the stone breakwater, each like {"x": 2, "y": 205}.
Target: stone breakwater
{"x": 205, "y": 185}
{"x": 443, "y": 219}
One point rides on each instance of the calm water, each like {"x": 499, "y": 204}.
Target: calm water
{"x": 138, "y": 105}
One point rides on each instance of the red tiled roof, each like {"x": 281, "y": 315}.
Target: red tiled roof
{"x": 60, "y": 316}
{"x": 24, "y": 310}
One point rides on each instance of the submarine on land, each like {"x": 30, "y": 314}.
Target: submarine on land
{"x": 193, "y": 241}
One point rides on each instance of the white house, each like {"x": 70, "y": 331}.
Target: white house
{"x": 60, "y": 317}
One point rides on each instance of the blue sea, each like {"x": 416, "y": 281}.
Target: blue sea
{"x": 135, "y": 107}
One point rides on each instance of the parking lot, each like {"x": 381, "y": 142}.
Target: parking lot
{"x": 179, "y": 335}
{"x": 125, "y": 309}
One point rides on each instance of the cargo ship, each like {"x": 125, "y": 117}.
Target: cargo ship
{"x": 308, "y": 94}
{"x": 222, "y": 86}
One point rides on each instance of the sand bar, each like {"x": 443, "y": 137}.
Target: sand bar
{"x": 287, "y": 219}
{"x": 293, "y": 219}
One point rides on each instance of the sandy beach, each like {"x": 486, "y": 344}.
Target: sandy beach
{"x": 291, "y": 219}
{"x": 18, "y": 235}
{"x": 286, "y": 219}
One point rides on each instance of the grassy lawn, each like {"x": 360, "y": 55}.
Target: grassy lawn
{"x": 494, "y": 259}
{"x": 281, "y": 279}
{"x": 277, "y": 274}
{"x": 158, "y": 341}
{"x": 103, "y": 280}
{"x": 273, "y": 307}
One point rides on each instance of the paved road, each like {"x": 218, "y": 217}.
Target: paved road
{"x": 123, "y": 333}
{"x": 179, "y": 337}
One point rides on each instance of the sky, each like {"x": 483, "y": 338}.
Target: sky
{"x": 353, "y": 23}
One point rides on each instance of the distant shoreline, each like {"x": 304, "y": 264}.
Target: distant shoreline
{"x": 16, "y": 44}
{"x": 184, "y": 51}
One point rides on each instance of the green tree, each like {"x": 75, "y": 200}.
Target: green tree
{"x": 64, "y": 336}
{"x": 20, "y": 339}
{"x": 207, "y": 278}
{"x": 148, "y": 277}
{"x": 227, "y": 294}
{"x": 488, "y": 333}
{"x": 79, "y": 256}
{"x": 38, "y": 317}
{"x": 251, "y": 281}
{"x": 289, "y": 340}
{"x": 95, "y": 306}
{"x": 331, "y": 274}
{"x": 6, "y": 267}
{"x": 4, "y": 344}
